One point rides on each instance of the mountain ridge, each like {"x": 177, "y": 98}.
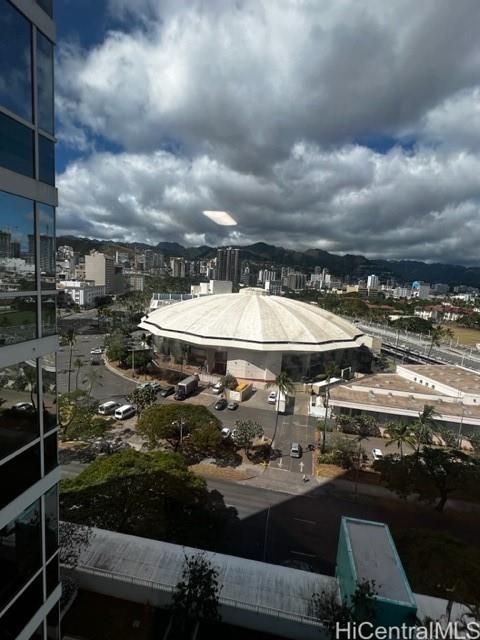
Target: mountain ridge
{"x": 355, "y": 265}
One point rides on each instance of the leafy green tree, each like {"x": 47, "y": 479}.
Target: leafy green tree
{"x": 92, "y": 378}
{"x": 141, "y": 398}
{"x": 195, "y": 598}
{"x": 69, "y": 339}
{"x": 425, "y": 427}
{"x": 78, "y": 418}
{"x": 400, "y": 433}
{"x": 432, "y": 474}
{"x": 438, "y": 335}
{"x": 146, "y": 494}
{"x": 172, "y": 423}
{"x": 330, "y": 371}
{"x": 245, "y": 432}
{"x": 207, "y": 439}
{"x": 229, "y": 381}
{"x": 285, "y": 387}
{"x": 115, "y": 347}
{"x": 331, "y": 611}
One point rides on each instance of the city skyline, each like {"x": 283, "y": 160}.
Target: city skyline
{"x": 357, "y": 133}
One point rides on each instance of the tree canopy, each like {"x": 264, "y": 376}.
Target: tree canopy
{"x": 432, "y": 474}
{"x": 171, "y": 422}
{"x": 146, "y": 494}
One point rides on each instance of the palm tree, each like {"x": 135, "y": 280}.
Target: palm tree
{"x": 425, "y": 427}
{"x": 437, "y": 335}
{"x": 400, "y": 433}
{"x": 285, "y": 386}
{"x": 69, "y": 339}
{"x": 77, "y": 363}
{"x": 92, "y": 377}
{"x": 330, "y": 371}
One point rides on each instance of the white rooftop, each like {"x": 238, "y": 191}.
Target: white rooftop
{"x": 247, "y": 583}
{"x": 255, "y": 321}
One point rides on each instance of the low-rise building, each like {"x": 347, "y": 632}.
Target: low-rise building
{"x": 453, "y": 392}
{"x": 82, "y": 292}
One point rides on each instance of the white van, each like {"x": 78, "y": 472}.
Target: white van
{"x": 107, "y": 408}
{"x": 124, "y": 412}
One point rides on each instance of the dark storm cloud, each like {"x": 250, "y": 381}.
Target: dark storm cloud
{"x": 262, "y": 101}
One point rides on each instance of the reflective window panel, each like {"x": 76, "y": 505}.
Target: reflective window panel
{"x": 16, "y": 146}
{"x": 46, "y": 160}
{"x": 51, "y": 521}
{"x": 50, "y": 453}
{"x": 46, "y": 230}
{"x": 18, "y": 406}
{"x": 53, "y": 624}
{"x": 22, "y": 610}
{"x": 52, "y": 575}
{"x": 47, "y": 6}
{"x": 45, "y": 83}
{"x": 18, "y": 319}
{"x": 15, "y": 61}
{"x": 20, "y": 552}
{"x": 49, "y": 315}
{"x": 38, "y": 634}
{"x": 17, "y": 243}
{"x": 49, "y": 385}
{"x": 18, "y": 474}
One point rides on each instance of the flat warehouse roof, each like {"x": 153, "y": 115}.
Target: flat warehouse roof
{"x": 451, "y": 375}
{"x": 376, "y": 559}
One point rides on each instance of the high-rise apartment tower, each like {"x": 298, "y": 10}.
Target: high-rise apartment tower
{"x": 29, "y": 472}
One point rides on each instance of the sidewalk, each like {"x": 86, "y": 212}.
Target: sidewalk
{"x": 284, "y": 481}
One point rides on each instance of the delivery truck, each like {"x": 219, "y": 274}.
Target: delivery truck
{"x": 186, "y": 387}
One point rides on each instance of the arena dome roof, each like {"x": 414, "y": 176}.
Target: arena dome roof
{"x": 253, "y": 320}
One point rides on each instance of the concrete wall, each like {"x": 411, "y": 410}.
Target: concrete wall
{"x": 254, "y": 365}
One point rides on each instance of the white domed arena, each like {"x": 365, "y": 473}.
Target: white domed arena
{"x": 254, "y": 336}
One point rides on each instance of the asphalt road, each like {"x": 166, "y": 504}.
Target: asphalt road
{"x": 110, "y": 385}
{"x": 285, "y": 529}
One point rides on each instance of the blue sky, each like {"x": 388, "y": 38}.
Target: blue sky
{"x": 351, "y": 127}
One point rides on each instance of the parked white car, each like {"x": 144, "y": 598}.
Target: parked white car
{"x": 217, "y": 388}
{"x": 377, "y": 454}
{"x": 226, "y": 432}
{"x": 272, "y": 397}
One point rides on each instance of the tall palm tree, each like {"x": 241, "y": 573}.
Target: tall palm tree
{"x": 78, "y": 364}
{"x": 285, "y": 386}
{"x": 69, "y": 339}
{"x": 92, "y": 377}
{"x": 400, "y": 433}
{"x": 330, "y": 371}
{"x": 437, "y": 335}
{"x": 425, "y": 427}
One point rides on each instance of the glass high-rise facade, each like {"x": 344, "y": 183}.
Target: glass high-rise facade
{"x": 29, "y": 472}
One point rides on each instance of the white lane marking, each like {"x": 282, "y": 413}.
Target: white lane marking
{"x": 306, "y": 521}
{"x": 307, "y": 555}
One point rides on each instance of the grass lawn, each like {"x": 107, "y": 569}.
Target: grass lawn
{"x": 465, "y": 336}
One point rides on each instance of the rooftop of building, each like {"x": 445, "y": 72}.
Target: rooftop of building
{"x": 409, "y": 405}
{"x": 246, "y": 583}
{"x": 376, "y": 559}
{"x": 456, "y": 377}
{"x": 253, "y": 320}
{"x": 392, "y": 382}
